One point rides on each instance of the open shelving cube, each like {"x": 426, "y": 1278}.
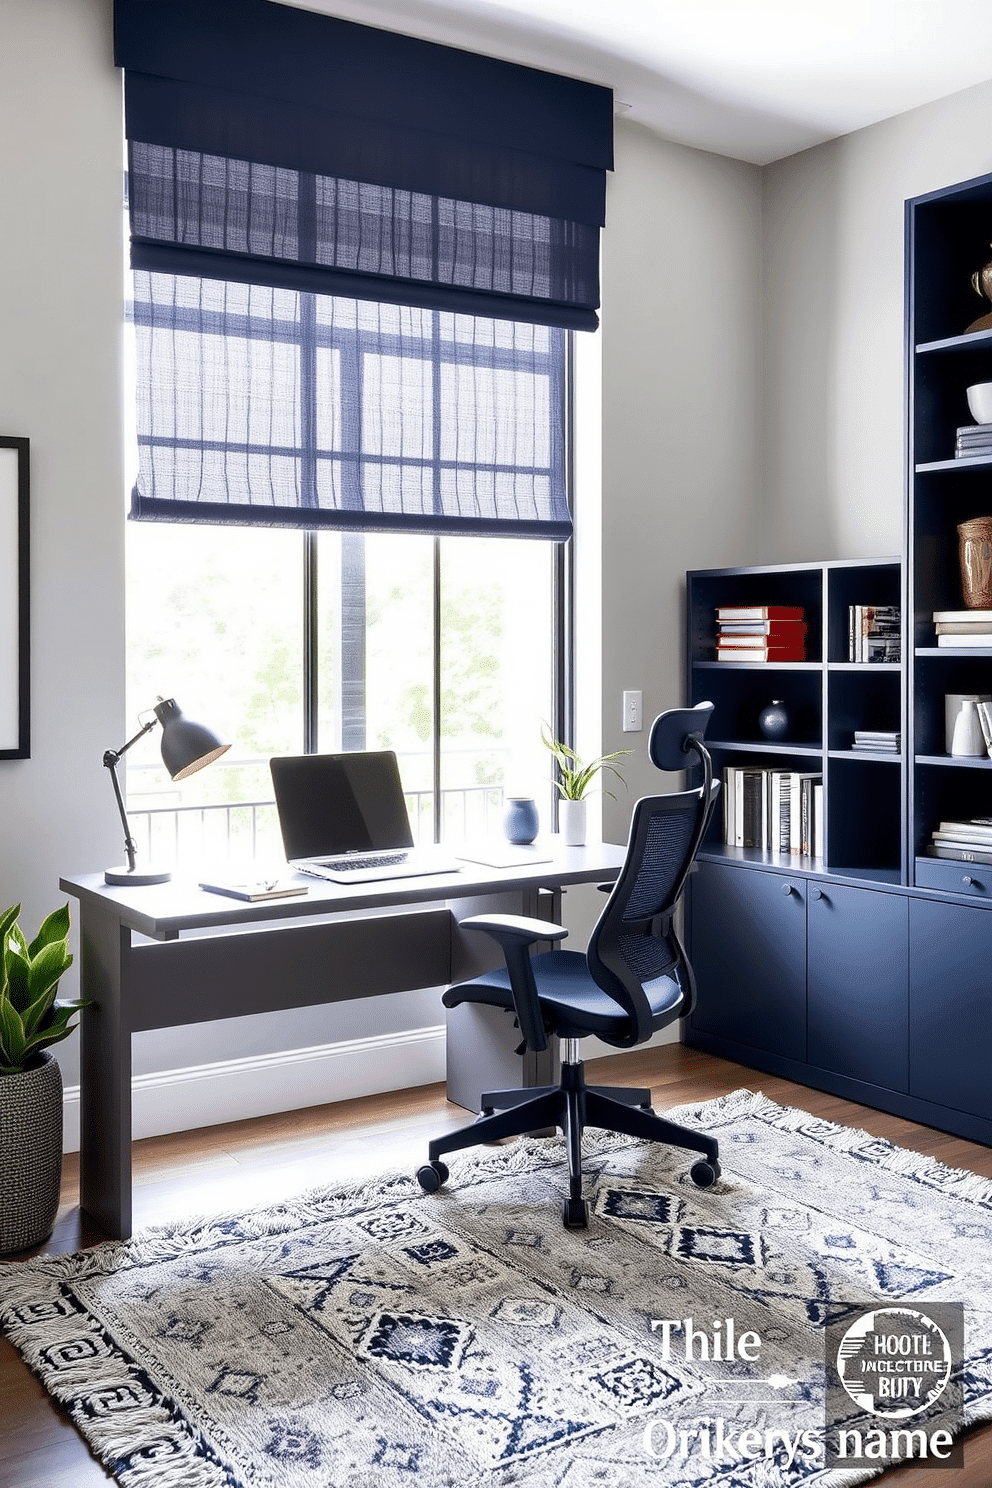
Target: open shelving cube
{"x": 827, "y": 698}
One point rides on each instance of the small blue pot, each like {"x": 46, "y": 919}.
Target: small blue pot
{"x": 520, "y": 821}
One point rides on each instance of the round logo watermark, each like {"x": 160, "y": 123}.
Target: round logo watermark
{"x": 894, "y": 1362}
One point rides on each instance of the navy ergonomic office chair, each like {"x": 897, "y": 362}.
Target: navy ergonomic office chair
{"x": 633, "y": 979}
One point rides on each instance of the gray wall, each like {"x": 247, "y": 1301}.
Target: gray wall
{"x": 60, "y": 384}
{"x": 681, "y": 381}
{"x": 833, "y": 324}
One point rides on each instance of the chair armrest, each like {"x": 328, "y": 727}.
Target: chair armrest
{"x": 515, "y": 934}
{"x": 514, "y": 930}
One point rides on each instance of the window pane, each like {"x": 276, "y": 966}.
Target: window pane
{"x": 375, "y": 655}
{"x": 497, "y": 679}
{"x": 214, "y": 619}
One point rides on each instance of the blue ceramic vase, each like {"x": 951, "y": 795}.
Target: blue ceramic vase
{"x": 520, "y": 819}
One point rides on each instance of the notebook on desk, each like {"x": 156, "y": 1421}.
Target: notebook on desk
{"x": 343, "y": 817}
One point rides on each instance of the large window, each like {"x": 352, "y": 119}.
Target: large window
{"x": 447, "y": 649}
{"x": 440, "y": 648}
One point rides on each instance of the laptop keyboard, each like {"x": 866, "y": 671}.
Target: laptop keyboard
{"x": 367, "y": 860}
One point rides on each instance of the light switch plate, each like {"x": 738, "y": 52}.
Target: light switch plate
{"x": 632, "y": 712}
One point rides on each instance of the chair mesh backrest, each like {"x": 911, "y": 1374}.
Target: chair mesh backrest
{"x": 630, "y": 945}
{"x": 669, "y": 837}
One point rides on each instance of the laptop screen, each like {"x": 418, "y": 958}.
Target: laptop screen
{"x": 330, "y": 804}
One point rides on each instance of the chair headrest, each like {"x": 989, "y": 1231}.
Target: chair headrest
{"x": 666, "y": 742}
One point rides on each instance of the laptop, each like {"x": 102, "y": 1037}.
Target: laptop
{"x": 343, "y": 817}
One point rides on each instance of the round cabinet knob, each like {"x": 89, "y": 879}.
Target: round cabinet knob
{"x": 967, "y": 880}
{"x": 816, "y": 893}
{"x": 787, "y": 889}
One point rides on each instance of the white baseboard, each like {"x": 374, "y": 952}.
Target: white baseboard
{"x": 236, "y": 1089}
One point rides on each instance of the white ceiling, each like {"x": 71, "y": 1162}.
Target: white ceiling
{"x": 753, "y": 79}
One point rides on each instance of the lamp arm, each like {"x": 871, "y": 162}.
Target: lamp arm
{"x": 112, "y": 756}
{"x": 111, "y": 760}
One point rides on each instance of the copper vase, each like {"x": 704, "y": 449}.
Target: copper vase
{"x": 981, "y": 283}
{"x": 975, "y": 552}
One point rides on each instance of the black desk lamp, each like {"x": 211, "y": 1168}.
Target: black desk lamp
{"x": 186, "y": 748}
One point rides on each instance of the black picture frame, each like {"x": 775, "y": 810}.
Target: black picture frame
{"x": 15, "y": 600}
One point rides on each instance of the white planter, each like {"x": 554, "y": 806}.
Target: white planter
{"x": 572, "y": 822}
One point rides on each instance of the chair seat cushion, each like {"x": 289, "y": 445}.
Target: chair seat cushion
{"x": 573, "y": 1004}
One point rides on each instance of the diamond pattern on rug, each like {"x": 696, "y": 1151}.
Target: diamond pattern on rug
{"x": 421, "y": 1342}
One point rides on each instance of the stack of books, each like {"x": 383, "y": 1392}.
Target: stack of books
{"x": 963, "y": 627}
{"x": 760, "y": 633}
{"x": 877, "y": 741}
{"x": 967, "y": 841}
{"x": 772, "y": 809}
{"x": 973, "y": 440}
{"x": 874, "y": 633}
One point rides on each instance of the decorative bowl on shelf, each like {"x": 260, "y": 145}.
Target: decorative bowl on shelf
{"x": 980, "y": 402}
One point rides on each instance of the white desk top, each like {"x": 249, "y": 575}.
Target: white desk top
{"x": 162, "y": 911}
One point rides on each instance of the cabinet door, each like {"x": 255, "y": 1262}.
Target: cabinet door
{"x": 950, "y": 1006}
{"x": 857, "y": 984}
{"x": 749, "y": 957}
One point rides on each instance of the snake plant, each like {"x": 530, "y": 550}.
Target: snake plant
{"x": 30, "y": 1018}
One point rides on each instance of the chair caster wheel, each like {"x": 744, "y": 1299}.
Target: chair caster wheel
{"x": 575, "y": 1214}
{"x": 704, "y": 1174}
{"x": 431, "y": 1176}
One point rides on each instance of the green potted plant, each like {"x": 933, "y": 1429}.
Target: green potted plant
{"x": 573, "y": 779}
{"x": 30, "y": 1078}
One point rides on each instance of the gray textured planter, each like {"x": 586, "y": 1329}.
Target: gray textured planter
{"x": 30, "y": 1153}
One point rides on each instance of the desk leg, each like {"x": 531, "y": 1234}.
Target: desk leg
{"x": 481, "y": 1040}
{"x": 105, "y": 1075}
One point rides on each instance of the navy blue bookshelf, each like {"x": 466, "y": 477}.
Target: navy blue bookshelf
{"x": 865, "y": 972}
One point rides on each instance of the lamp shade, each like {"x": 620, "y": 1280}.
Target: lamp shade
{"x": 186, "y": 746}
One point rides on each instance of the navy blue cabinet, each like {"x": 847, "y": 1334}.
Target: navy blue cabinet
{"x": 749, "y": 957}
{"x": 950, "y": 1006}
{"x": 857, "y": 985}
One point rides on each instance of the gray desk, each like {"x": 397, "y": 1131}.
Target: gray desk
{"x": 171, "y": 954}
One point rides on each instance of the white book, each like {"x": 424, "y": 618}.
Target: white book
{"x": 799, "y": 784}
{"x": 729, "y": 803}
{"x": 973, "y": 638}
{"x": 778, "y": 810}
{"x": 985, "y": 719}
{"x": 972, "y": 829}
{"x": 818, "y": 821}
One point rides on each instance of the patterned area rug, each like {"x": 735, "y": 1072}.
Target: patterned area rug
{"x": 382, "y": 1336}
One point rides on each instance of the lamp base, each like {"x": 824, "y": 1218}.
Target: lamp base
{"x": 137, "y": 877}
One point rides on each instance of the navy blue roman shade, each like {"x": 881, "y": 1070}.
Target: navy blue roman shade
{"x": 294, "y": 147}
{"x": 356, "y": 255}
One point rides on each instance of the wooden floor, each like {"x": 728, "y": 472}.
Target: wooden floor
{"x": 250, "y": 1162}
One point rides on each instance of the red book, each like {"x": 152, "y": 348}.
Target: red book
{"x": 763, "y": 633}
{"x": 761, "y": 653}
{"x": 760, "y": 612}
{"x": 788, "y": 630}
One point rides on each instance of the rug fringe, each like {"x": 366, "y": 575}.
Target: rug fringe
{"x": 879, "y": 1151}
